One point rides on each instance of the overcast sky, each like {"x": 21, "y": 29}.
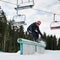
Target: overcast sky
{"x": 34, "y": 15}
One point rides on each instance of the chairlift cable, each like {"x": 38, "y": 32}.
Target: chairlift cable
{"x": 8, "y": 2}
{"x": 45, "y": 11}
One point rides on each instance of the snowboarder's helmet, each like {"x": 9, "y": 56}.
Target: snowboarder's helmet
{"x": 38, "y": 22}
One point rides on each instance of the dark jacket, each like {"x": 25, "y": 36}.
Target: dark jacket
{"x": 33, "y": 28}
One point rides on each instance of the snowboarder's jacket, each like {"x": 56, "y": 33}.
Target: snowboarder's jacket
{"x": 33, "y": 28}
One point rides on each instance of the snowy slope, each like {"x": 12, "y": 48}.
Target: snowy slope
{"x": 49, "y": 55}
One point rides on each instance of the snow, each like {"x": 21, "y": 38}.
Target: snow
{"x": 48, "y": 55}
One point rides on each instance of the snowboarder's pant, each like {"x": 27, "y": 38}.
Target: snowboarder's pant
{"x": 35, "y": 36}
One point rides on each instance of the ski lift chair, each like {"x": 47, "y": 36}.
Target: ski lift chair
{"x": 19, "y": 20}
{"x": 25, "y": 5}
{"x": 55, "y": 25}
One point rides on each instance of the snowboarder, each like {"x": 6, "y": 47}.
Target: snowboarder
{"x": 34, "y": 31}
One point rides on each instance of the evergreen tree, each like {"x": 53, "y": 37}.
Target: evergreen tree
{"x": 58, "y": 47}
{"x": 3, "y": 30}
{"x": 44, "y": 37}
{"x": 48, "y": 42}
{"x": 21, "y": 32}
{"x": 54, "y": 43}
{"x": 51, "y": 42}
{"x": 1, "y": 37}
